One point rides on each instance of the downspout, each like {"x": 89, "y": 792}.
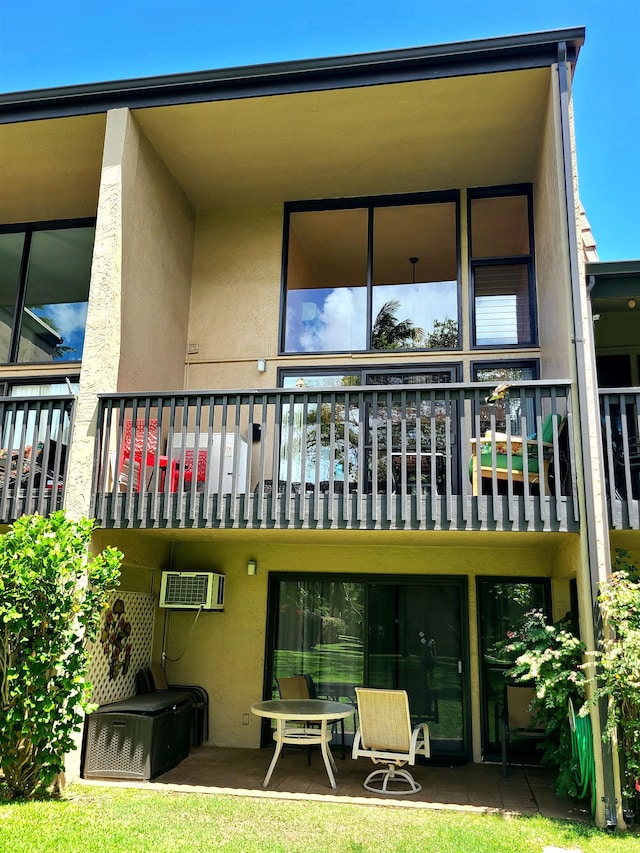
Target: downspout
{"x": 585, "y": 411}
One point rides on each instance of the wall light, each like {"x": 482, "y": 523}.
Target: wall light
{"x": 252, "y": 567}
{"x": 631, "y": 303}
{"x": 262, "y": 365}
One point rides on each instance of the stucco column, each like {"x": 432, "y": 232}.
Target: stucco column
{"x": 101, "y": 355}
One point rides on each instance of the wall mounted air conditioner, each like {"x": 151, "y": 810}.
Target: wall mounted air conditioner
{"x": 192, "y": 591}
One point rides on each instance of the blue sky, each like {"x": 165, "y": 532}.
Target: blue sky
{"x": 47, "y": 43}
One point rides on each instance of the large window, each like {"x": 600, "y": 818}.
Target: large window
{"x": 501, "y": 254}
{"x": 372, "y": 275}
{"x": 44, "y": 291}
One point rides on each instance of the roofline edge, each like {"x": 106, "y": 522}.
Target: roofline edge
{"x": 428, "y": 62}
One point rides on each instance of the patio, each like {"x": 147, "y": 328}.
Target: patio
{"x": 470, "y": 787}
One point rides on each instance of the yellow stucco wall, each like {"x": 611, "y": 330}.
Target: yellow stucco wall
{"x": 225, "y": 652}
{"x": 157, "y": 249}
{"x": 552, "y": 253}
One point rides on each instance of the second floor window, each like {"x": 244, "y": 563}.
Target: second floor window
{"x": 376, "y": 274}
{"x": 44, "y": 290}
{"x": 501, "y": 250}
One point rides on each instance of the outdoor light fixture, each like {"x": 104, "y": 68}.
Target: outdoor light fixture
{"x": 631, "y": 303}
{"x": 262, "y": 365}
{"x": 252, "y": 567}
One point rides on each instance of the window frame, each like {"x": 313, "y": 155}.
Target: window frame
{"x": 29, "y": 229}
{"x": 497, "y": 364}
{"x": 527, "y": 260}
{"x": 369, "y": 203}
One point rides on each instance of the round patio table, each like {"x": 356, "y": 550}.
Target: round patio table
{"x": 320, "y": 711}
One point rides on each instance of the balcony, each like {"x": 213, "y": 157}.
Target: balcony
{"x": 392, "y": 457}
{"x": 34, "y": 435}
{"x": 620, "y": 422}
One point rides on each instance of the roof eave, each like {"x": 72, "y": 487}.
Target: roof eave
{"x": 531, "y": 50}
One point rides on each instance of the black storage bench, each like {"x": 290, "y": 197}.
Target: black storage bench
{"x": 138, "y": 738}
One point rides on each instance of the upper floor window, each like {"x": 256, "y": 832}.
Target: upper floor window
{"x": 372, "y": 274}
{"x": 501, "y": 252}
{"x": 44, "y": 290}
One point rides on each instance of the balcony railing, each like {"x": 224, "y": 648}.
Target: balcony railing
{"x": 620, "y": 420}
{"x": 34, "y": 435}
{"x": 354, "y": 457}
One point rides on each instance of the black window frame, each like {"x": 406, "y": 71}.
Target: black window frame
{"x": 527, "y": 260}
{"x": 483, "y": 665}
{"x": 497, "y": 364}
{"x": 369, "y": 203}
{"x": 29, "y": 229}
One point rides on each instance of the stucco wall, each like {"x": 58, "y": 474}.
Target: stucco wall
{"x": 225, "y": 652}
{"x": 101, "y": 354}
{"x": 552, "y": 252}
{"x": 235, "y": 299}
{"x": 157, "y": 249}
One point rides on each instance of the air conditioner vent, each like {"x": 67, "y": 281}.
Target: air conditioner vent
{"x": 192, "y": 591}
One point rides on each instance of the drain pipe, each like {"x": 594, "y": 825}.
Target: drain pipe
{"x": 585, "y": 411}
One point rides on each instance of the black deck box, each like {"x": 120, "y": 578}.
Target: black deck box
{"x": 138, "y": 738}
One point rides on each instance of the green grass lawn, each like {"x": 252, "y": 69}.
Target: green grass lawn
{"x": 109, "y": 820}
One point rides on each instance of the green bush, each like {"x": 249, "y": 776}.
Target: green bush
{"x": 618, "y": 672}
{"x": 51, "y": 596}
{"x": 551, "y": 656}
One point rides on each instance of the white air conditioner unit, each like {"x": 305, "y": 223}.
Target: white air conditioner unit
{"x": 192, "y": 591}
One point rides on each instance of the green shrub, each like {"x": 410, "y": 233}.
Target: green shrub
{"x": 551, "y": 656}
{"x": 618, "y": 672}
{"x": 51, "y": 597}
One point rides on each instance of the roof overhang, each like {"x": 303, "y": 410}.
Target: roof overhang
{"x": 507, "y": 53}
{"x": 614, "y": 286}
{"x": 611, "y": 279}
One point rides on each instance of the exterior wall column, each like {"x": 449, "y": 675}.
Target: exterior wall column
{"x": 101, "y": 357}
{"x": 596, "y": 563}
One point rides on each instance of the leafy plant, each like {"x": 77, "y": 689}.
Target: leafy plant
{"x": 551, "y": 656}
{"x": 51, "y": 597}
{"x": 618, "y": 671}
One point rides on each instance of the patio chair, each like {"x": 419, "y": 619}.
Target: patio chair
{"x": 144, "y": 452}
{"x": 516, "y": 720}
{"x": 385, "y": 736}
{"x": 509, "y": 459}
{"x": 303, "y": 687}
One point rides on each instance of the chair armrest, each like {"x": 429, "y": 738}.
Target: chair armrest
{"x": 422, "y": 729}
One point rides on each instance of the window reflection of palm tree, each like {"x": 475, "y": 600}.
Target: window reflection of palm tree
{"x": 391, "y": 333}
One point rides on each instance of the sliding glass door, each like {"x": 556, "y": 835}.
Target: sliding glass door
{"x": 390, "y": 632}
{"x": 502, "y": 607}
{"x": 416, "y": 641}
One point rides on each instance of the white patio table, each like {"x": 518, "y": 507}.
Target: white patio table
{"x": 320, "y": 711}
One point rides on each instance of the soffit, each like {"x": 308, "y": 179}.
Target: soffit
{"x": 50, "y": 169}
{"x": 403, "y": 137}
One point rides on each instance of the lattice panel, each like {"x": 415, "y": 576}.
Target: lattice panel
{"x": 123, "y": 647}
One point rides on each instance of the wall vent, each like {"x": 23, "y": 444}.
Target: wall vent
{"x": 192, "y": 591}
